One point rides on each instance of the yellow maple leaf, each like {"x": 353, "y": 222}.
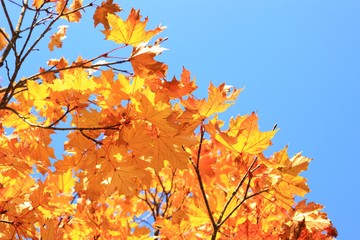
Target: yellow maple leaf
{"x": 219, "y": 99}
{"x": 245, "y": 137}
{"x": 76, "y": 80}
{"x": 130, "y": 32}
{"x": 38, "y": 93}
{"x": 63, "y": 182}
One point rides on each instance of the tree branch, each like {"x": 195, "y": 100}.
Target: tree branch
{"x": 14, "y": 38}
{"x": 235, "y": 191}
{"x": 202, "y": 188}
{"x": 113, "y": 127}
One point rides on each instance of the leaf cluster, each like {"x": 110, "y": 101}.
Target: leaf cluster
{"x": 144, "y": 157}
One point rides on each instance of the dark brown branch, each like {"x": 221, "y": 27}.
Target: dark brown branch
{"x": 15, "y": 36}
{"x": 197, "y": 171}
{"x": 90, "y": 138}
{"x": 28, "y": 37}
{"x": 8, "y": 222}
{"x": 8, "y": 19}
{"x": 15, "y": 33}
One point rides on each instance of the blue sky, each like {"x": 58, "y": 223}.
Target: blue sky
{"x": 299, "y": 62}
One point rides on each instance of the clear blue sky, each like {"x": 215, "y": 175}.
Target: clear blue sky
{"x": 299, "y": 62}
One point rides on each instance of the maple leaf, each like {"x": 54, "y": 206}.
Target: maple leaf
{"x": 244, "y": 136}
{"x": 39, "y": 93}
{"x": 57, "y": 38}
{"x": 170, "y": 148}
{"x": 74, "y": 80}
{"x": 219, "y": 99}
{"x": 101, "y": 12}
{"x": 3, "y": 40}
{"x": 143, "y": 63}
{"x": 250, "y": 231}
{"x": 73, "y": 14}
{"x": 154, "y": 111}
{"x": 306, "y": 221}
{"x": 122, "y": 178}
{"x": 289, "y": 169}
{"x": 130, "y": 32}
{"x": 178, "y": 89}
{"x": 39, "y": 3}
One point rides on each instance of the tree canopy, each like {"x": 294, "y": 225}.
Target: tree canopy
{"x": 144, "y": 157}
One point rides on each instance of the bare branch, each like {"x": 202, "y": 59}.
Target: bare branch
{"x": 8, "y": 19}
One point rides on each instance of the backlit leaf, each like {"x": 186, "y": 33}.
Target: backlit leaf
{"x": 130, "y": 32}
{"x": 57, "y": 38}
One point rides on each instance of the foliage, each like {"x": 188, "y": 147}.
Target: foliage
{"x": 144, "y": 158}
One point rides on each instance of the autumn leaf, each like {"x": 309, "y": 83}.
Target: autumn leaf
{"x": 250, "y": 231}
{"x": 143, "y": 63}
{"x": 305, "y": 219}
{"x": 3, "y": 39}
{"x": 219, "y": 99}
{"x": 57, "y": 38}
{"x": 101, "y": 12}
{"x": 38, "y": 93}
{"x": 290, "y": 182}
{"x": 74, "y": 80}
{"x": 72, "y": 14}
{"x": 130, "y": 32}
{"x": 154, "y": 111}
{"x": 122, "y": 179}
{"x": 244, "y": 136}
{"x": 179, "y": 88}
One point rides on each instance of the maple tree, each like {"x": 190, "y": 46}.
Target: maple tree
{"x": 144, "y": 158}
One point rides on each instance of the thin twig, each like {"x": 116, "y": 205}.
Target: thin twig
{"x": 8, "y": 19}
{"x": 36, "y": 15}
{"x": 236, "y": 191}
{"x": 113, "y": 127}
{"x": 242, "y": 201}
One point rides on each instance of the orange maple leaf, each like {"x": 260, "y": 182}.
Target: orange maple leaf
{"x": 130, "y": 32}
{"x": 39, "y": 3}
{"x": 73, "y": 14}
{"x": 179, "y": 88}
{"x": 101, "y": 12}
{"x": 219, "y": 99}
{"x": 143, "y": 63}
{"x": 57, "y": 38}
{"x": 3, "y": 36}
